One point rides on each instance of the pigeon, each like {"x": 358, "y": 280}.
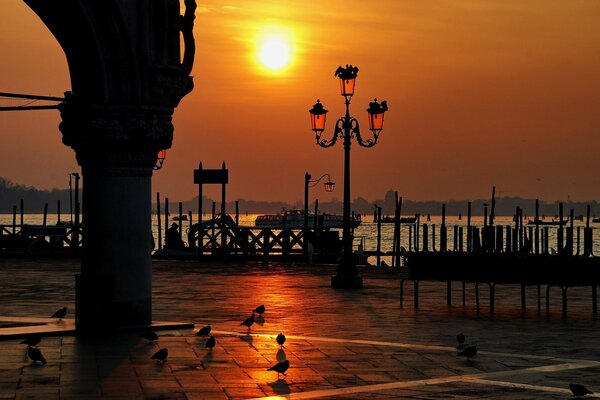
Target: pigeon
{"x": 460, "y": 338}
{"x": 35, "y": 355}
{"x": 150, "y": 336}
{"x": 210, "y": 342}
{"x": 280, "y": 367}
{"x": 204, "y": 331}
{"x": 60, "y": 314}
{"x": 260, "y": 309}
{"x": 160, "y": 355}
{"x": 280, "y": 339}
{"x": 32, "y": 340}
{"x": 248, "y": 322}
{"x": 579, "y": 390}
{"x": 469, "y": 352}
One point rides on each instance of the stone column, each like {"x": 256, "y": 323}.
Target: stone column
{"x": 127, "y": 77}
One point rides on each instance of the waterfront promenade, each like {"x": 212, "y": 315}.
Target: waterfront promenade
{"x": 341, "y": 344}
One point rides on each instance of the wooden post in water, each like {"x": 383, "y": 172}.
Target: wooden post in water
{"x": 455, "y": 234}
{"x": 58, "y": 212}
{"x": 397, "y": 227}
{"x": 166, "y": 218}
{"x": 537, "y": 226}
{"x": 509, "y": 247}
{"x": 433, "y": 237}
{"x": 14, "y": 224}
{"x": 443, "y": 231}
{"x": 410, "y": 237}
{"x": 469, "y": 235}
{"x": 499, "y": 238}
{"x": 160, "y": 246}
{"x": 77, "y": 205}
{"x": 180, "y": 220}
{"x": 237, "y": 213}
{"x": 45, "y": 218}
{"x": 560, "y": 233}
{"x": 22, "y": 213}
{"x": 546, "y": 240}
{"x": 460, "y": 239}
{"x": 416, "y": 243}
{"x": 587, "y": 235}
{"x": 378, "y": 236}
{"x": 425, "y": 246}
{"x": 315, "y": 217}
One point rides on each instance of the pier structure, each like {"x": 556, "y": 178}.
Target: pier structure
{"x": 127, "y": 77}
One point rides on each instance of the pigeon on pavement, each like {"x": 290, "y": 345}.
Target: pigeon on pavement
{"x": 35, "y": 355}
{"x": 210, "y": 342}
{"x": 160, "y": 355}
{"x": 248, "y": 322}
{"x": 460, "y": 338}
{"x": 204, "y": 331}
{"x": 60, "y": 313}
{"x": 469, "y": 352}
{"x": 579, "y": 390}
{"x": 280, "y": 339}
{"x": 280, "y": 368}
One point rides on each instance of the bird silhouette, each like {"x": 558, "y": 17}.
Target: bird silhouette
{"x": 210, "y": 342}
{"x": 160, "y": 355}
{"x": 280, "y": 367}
{"x": 469, "y": 352}
{"x": 32, "y": 340}
{"x": 36, "y": 355}
{"x": 260, "y": 309}
{"x": 60, "y": 313}
{"x": 248, "y": 322}
{"x": 150, "y": 336}
{"x": 460, "y": 338}
{"x": 280, "y": 339}
{"x": 579, "y": 390}
{"x": 204, "y": 331}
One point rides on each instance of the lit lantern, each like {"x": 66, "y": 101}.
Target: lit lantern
{"x": 329, "y": 185}
{"x": 162, "y": 154}
{"x": 347, "y": 79}
{"x": 376, "y": 112}
{"x": 318, "y": 115}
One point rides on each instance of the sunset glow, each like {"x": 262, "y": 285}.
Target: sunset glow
{"x": 484, "y": 93}
{"x": 274, "y": 54}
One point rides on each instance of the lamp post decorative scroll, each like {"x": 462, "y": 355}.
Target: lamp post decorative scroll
{"x": 347, "y": 128}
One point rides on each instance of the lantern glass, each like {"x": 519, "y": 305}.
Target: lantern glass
{"x": 376, "y": 121}
{"x": 162, "y": 154}
{"x": 318, "y": 122}
{"x": 329, "y": 186}
{"x": 347, "y": 86}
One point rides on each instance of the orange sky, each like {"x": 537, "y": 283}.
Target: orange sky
{"x": 481, "y": 93}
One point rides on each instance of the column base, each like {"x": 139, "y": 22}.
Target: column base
{"x": 347, "y": 281}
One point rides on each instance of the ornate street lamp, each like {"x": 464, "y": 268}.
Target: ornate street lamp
{"x": 347, "y": 128}
{"x": 162, "y": 154}
{"x": 329, "y": 186}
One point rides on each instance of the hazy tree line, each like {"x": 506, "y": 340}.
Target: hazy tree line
{"x": 34, "y": 199}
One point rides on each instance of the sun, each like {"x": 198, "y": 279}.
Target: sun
{"x": 274, "y": 54}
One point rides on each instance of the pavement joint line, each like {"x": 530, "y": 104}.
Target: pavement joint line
{"x": 527, "y": 386}
{"x": 471, "y": 378}
{"x": 406, "y": 346}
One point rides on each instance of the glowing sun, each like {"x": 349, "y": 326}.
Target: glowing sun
{"x": 274, "y": 54}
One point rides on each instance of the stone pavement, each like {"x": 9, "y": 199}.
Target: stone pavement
{"x": 341, "y": 344}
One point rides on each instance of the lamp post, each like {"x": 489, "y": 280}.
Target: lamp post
{"x": 329, "y": 185}
{"x": 346, "y": 128}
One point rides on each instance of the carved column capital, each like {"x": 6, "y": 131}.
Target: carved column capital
{"x": 116, "y": 136}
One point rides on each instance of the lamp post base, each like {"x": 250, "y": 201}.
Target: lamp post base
{"x": 347, "y": 281}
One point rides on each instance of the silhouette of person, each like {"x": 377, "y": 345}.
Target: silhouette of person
{"x": 172, "y": 238}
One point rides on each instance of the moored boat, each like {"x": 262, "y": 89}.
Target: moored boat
{"x": 295, "y": 219}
